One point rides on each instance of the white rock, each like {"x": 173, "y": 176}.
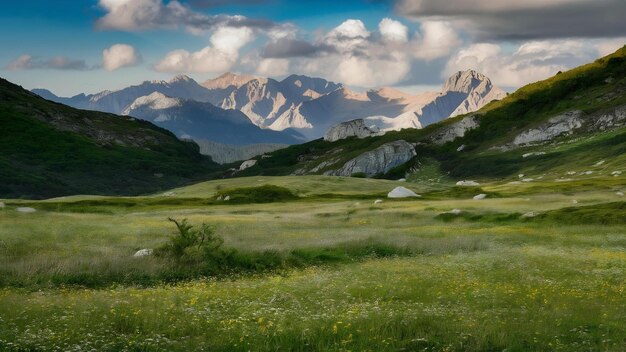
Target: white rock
{"x": 461, "y": 148}
{"x": 571, "y": 173}
{"x": 588, "y": 172}
{"x": 2, "y": 205}
{"x": 402, "y": 180}
{"x": 226, "y": 198}
{"x": 563, "y": 180}
{"x": 616, "y": 173}
{"x": 574, "y": 201}
{"x": 528, "y": 179}
{"x": 379, "y": 160}
{"x": 401, "y": 192}
{"x": 467, "y": 183}
{"x": 247, "y": 164}
{"x": 530, "y": 214}
{"x": 533, "y": 154}
{"x": 619, "y": 194}
{"x": 480, "y": 196}
{"x": 599, "y": 163}
{"x": 455, "y": 211}
{"x": 378, "y": 201}
{"x": 515, "y": 183}
{"x": 143, "y": 252}
{"x": 520, "y": 175}
{"x": 26, "y": 210}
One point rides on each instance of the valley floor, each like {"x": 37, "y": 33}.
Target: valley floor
{"x": 488, "y": 278}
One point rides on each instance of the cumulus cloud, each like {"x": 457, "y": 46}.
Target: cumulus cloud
{"x": 273, "y": 67}
{"x": 118, "y": 56}
{"x": 356, "y": 56}
{"x": 137, "y": 15}
{"x": 530, "y": 62}
{"x": 393, "y": 31}
{"x": 528, "y": 19}
{"x": 437, "y": 39}
{"x": 28, "y": 62}
{"x": 221, "y": 56}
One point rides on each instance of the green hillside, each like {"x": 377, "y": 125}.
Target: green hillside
{"x": 593, "y": 89}
{"x": 48, "y": 149}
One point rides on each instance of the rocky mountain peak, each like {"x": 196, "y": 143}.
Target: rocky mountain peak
{"x": 466, "y": 81}
{"x": 228, "y": 79}
{"x": 181, "y": 79}
{"x": 154, "y": 101}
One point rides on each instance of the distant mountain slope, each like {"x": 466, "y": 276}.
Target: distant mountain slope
{"x": 553, "y": 128}
{"x": 228, "y": 153}
{"x": 204, "y": 121}
{"x": 48, "y": 149}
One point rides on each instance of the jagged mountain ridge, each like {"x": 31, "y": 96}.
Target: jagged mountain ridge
{"x": 204, "y": 121}
{"x": 309, "y": 105}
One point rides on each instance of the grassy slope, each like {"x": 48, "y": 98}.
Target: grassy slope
{"x": 39, "y": 160}
{"x": 584, "y": 88}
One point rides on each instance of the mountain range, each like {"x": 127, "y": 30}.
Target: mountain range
{"x": 244, "y": 109}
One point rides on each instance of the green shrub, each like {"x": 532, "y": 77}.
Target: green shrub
{"x": 192, "y": 244}
{"x": 261, "y": 194}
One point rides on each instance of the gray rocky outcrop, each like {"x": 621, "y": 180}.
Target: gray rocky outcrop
{"x": 456, "y": 130}
{"x": 377, "y": 161}
{"x": 556, "y": 126}
{"x": 354, "y": 128}
{"x": 402, "y": 192}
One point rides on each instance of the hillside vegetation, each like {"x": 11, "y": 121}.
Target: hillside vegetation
{"x": 48, "y": 149}
{"x": 593, "y": 89}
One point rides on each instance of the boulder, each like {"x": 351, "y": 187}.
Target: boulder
{"x": 2, "y": 205}
{"x": 619, "y": 194}
{"x": 378, "y": 201}
{"x": 26, "y": 210}
{"x": 377, "y": 161}
{"x": 401, "y": 192}
{"x": 467, "y": 183}
{"x": 455, "y": 211}
{"x": 480, "y": 196}
{"x": 354, "y": 128}
{"x": 247, "y": 164}
{"x": 530, "y": 214}
{"x": 143, "y": 253}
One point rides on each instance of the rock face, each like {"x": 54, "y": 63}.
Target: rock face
{"x": 556, "y": 126}
{"x": 456, "y": 130}
{"x": 354, "y": 128}
{"x": 401, "y": 192}
{"x": 377, "y": 161}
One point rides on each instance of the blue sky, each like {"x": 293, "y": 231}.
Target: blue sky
{"x": 363, "y": 43}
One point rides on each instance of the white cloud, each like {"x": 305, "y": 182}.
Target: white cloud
{"x": 221, "y": 57}
{"x": 138, "y": 15}
{"x": 532, "y": 61}
{"x": 437, "y": 39}
{"x": 349, "y": 35}
{"x": 393, "y": 31}
{"x": 118, "y": 56}
{"x": 273, "y": 67}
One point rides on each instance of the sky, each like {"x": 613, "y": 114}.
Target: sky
{"x": 86, "y": 46}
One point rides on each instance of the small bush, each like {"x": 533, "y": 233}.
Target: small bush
{"x": 261, "y": 194}
{"x": 190, "y": 243}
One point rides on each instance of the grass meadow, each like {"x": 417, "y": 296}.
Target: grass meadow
{"x": 395, "y": 276}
